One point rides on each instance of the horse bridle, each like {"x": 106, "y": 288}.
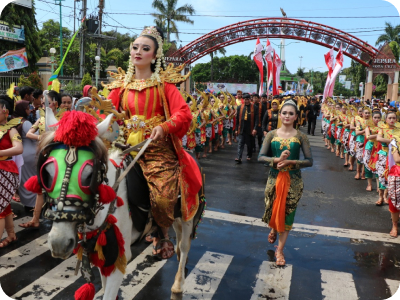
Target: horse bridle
{"x": 83, "y": 211}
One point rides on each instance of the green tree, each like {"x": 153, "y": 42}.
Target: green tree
{"x": 221, "y": 51}
{"x": 18, "y": 15}
{"x": 357, "y": 71}
{"x": 392, "y": 33}
{"x": 35, "y": 81}
{"x": 49, "y": 36}
{"x": 300, "y": 72}
{"x": 318, "y": 80}
{"x": 86, "y": 80}
{"x": 168, "y": 14}
{"x": 230, "y": 69}
{"x": 394, "y": 46}
{"x": 24, "y": 81}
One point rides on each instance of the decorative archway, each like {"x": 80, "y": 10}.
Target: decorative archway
{"x": 286, "y": 28}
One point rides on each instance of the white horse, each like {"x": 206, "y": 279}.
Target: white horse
{"x": 62, "y": 238}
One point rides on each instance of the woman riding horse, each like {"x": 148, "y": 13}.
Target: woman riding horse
{"x": 156, "y": 110}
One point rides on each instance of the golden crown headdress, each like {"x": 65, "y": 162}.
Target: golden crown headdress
{"x": 152, "y": 31}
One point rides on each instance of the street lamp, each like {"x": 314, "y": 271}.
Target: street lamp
{"x": 97, "y": 59}
{"x": 52, "y": 61}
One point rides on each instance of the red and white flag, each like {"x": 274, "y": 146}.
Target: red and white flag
{"x": 277, "y": 74}
{"x": 336, "y": 70}
{"x": 259, "y": 62}
{"x": 268, "y": 58}
{"x": 329, "y": 60}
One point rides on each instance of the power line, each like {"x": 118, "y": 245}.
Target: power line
{"x": 107, "y": 14}
{"x": 53, "y": 3}
{"x": 225, "y": 16}
{"x": 297, "y": 10}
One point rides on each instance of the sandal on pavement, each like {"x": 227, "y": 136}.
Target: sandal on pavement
{"x": 280, "y": 258}
{"x": 379, "y": 203}
{"x": 148, "y": 239}
{"x": 8, "y": 240}
{"x": 272, "y": 237}
{"x": 162, "y": 248}
{"x": 393, "y": 235}
{"x": 30, "y": 224}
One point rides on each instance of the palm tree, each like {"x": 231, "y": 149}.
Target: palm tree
{"x": 391, "y": 34}
{"x": 221, "y": 51}
{"x": 168, "y": 15}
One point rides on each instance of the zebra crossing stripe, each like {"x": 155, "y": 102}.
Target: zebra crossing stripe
{"x": 311, "y": 229}
{"x": 272, "y": 282}
{"x": 16, "y": 258}
{"x": 51, "y": 283}
{"x": 205, "y": 278}
{"x": 393, "y": 285}
{"x": 138, "y": 273}
{"x": 338, "y": 286}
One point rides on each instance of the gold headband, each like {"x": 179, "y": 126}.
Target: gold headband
{"x": 152, "y": 31}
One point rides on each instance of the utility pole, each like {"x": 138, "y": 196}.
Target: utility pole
{"x": 101, "y": 7}
{"x": 82, "y": 46}
{"x": 74, "y": 14}
{"x": 61, "y": 40}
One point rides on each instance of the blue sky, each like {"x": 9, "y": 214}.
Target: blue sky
{"x": 367, "y": 29}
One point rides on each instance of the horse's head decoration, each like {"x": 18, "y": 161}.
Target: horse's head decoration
{"x": 71, "y": 168}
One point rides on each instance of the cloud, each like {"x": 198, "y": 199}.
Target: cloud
{"x": 396, "y": 3}
{"x": 4, "y": 3}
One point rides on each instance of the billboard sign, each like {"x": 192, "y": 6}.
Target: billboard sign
{"x": 13, "y": 60}
{"x": 231, "y": 87}
{"x": 24, "y": 3}
{"x": 16, "y": 34}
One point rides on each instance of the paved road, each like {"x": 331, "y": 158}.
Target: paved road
{"x": 339, "y": 247}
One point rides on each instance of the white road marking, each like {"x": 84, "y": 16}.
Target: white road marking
{"x": 311, "y": 229}
{"x": 138, "y": 273}
{"x": 338, "y": 286}
{"x": 393, "y": 285}
{"x": 16, "y": 258}
{"x": 51, "y": 283}
{"x": 205, "y": 278}
{"x": 16, "y": 227}
{"x": 272, "y": 282}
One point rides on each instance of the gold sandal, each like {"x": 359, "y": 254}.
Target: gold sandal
{"x": 280, "y": 258}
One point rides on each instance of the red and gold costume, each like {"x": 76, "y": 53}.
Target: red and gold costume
{"x": 8, "y": 169}
{"x": 167, "y": 167}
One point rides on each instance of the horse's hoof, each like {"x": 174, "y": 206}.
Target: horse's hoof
{"x": 176, "y": 296}
{"x": 176, "y": 290}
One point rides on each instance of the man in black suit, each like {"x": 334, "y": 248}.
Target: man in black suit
{"x": 246, "y": 125}
{"x": 312, "y": 110}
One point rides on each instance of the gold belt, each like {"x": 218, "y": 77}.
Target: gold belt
{"x": 287, "y": 168}
{"x": 137, "y": 127}
{"x": 140, "y": 124}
